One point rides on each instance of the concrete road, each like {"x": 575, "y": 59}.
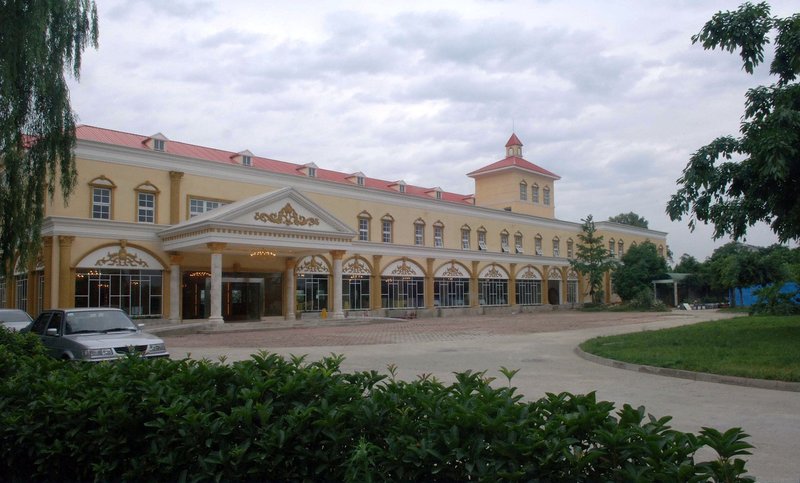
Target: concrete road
{"x": 547, "y": 363}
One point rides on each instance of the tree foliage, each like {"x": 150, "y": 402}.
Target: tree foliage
{"x": 591, "y": 258}
{"x": 641, "y": 264}
{"x": 39, "y": 40}
{"x": 630, "y": 218}
{"x": 735, "y": 182}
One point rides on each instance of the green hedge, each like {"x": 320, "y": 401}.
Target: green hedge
{"x": 271, "y": 418}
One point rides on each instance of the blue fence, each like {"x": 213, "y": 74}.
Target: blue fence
{"x": 746, "y": 297}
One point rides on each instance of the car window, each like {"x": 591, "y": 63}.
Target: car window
{"x": 40, "y": 325}
{"x": 98, "y": 321}
{"x": 14, "y": 316}
{"x": 55, "y": 323}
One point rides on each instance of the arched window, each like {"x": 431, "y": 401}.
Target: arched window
{"x": 535, "y": 193}
{"x": 363, "y": 225}
{"x": 556, "y": 247}
{"x": 547, "y": 195}
{"x": 387, "y": 225}
{"x": 465, "y": 237}
{"x": 438, "y": 234}
{"x": 419, "y": 232}
{"x": 102, "y": 190}
{"x": 523, "y": 191}
{"x": 537, "y": 245}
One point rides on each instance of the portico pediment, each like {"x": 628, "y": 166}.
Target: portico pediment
{"x": 284, "y": 217}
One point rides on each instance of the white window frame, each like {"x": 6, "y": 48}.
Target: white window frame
{"x": 101, "y": 205}
{"x": 145, "y": 212}
{"x": 465, "y": 236}
{"x": 419, "y": 234}
{"x": 363, "y": 228}
{"x": 386, "y": 231}
{"x": 504, "y": 243}
{"x": 438, "y": 236}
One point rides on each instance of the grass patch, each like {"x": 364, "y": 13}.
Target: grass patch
{"x": 761, "y": 347}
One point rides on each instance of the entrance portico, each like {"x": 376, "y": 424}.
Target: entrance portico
{"x": 264, "y": 234}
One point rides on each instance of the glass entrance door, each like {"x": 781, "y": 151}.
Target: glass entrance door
{"x": 242, "y": 298}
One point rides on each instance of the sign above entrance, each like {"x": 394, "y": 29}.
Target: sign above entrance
{"x": 286, "y": 216}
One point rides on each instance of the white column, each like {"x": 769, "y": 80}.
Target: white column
{"x": 337, "y": 284}
{"x": 290, "y": 298}
{"x": 175, "y": 288}
{"x": 216, "y": 283}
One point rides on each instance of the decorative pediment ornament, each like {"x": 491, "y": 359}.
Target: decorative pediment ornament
{"x": 493, "y": 272}
{"x": 312, "y": 265}
{"x": 356, "y": 267}
{"x": 404, "y": 270}
{"x": 530, "y": 274}
{"x": 453, "y": 272}
{"x": 286, "y": 216}
{"x": 572, "y": 275}
{"x": 554, "y": 274}
{"x": 121, "y": 258}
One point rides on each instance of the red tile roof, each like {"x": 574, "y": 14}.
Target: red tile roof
{"x": 513, "y": 162}
{"x": 513, "y": 141}
{"x": 136, "y": 141}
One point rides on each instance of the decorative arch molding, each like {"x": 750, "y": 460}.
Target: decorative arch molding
{"x": 121, "y": 255}
{"x": 312, "y": 265}
{"x": 102, "y": 182}
{"x": 493, "y": 271}
{"x": 554, "y": 274}
{"x": 452, "y": 269}
{"x": 357, "y": 266}
{"x": 365, "y": 214}
{"x": 529, "y": 272}
{"x": 403, "y": 268}
{"x": 572, "y": 275}
{"x": 148, "y": 187}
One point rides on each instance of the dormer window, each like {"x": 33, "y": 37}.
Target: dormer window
{"x": 312, "y": 172}
{"x": 402, "y": 188}
{"x": 438, "y": 195}
{"x": 247, "y": 160}
{"x": 158, "y": 144}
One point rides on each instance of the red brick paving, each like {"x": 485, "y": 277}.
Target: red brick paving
{"x": 418, "y": 330}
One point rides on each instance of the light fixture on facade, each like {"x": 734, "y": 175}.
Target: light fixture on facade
{"x": 262, "y": 253}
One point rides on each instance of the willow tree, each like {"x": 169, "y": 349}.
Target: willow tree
{"x": 591, "y": 258}
{"x": 41, "y": 42}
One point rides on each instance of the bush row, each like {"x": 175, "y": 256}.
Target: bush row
{"x": 271, "y": 418}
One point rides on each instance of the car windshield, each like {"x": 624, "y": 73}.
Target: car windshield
{"x": 14, "y": 316}
{"x": 98, "y": 321}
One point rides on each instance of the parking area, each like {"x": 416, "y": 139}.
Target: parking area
{"x": 541, "y": 346}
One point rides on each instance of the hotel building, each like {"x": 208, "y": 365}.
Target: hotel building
{"x": 171, "y": 230}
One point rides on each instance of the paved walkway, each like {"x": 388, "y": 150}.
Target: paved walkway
{"x": 542, "y": 346}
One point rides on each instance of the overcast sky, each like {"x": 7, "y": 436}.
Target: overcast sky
{"x": 612, "y": 96}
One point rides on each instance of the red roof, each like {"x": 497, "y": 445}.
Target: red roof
{"x": 513, "y": 141}
{"x": 513, "y": 162}
{"x": 136, "y": 141}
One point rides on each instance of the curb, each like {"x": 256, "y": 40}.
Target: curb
{"x": 691, "y": 375}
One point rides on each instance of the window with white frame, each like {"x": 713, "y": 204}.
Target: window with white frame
{"x": 386, "y": 224}
{"x": 482, "y": 240}
{"x": 535, "y": 193}
{"x": 419, "y": 233}
{"x": 101, "y": 203}
{"x": 312, "y": 172}
{"x": 612, "y": 248}
{"x": 570, "y": 248}
{"x": 146, "y": 211}
{"x": 523, "y": 191}
{"x": 529, "y": 292}
{"x": 465, "y": 236}
{"x": 198, "y": 206}
{"x": 360, "y": 180}
{"x": 438, "y": 235}
{"x": 247, "y": 160}
{"x": 504, "y": 242}
{"x": 621, "y": 248}
{"x": 158, "y": 144}
{"x": 556, "y": 247}
{"x": 22, "y": 291}
{"x": 547, "y": 195}
{"x": 363, "y": 228}
{"x": 518, "y": 243}
{"x": 537, "y": 245}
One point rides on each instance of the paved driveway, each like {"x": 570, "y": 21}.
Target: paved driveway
{"x": 542, "y": 347}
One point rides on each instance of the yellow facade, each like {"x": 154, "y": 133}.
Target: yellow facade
{"x": 204, "y": 236}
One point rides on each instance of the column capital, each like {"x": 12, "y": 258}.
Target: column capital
{"x": 291, "y": 262}
{"x": 337, "y": 254}
{"x": 216, "y": 247}
{"x": 65, "y": 240}
{"x": 47, "y": 241}
{"x": 175, "y": 175}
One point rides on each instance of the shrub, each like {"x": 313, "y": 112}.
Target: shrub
{"x": 270, "y": 418}
{"x": 772, "y": 301}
